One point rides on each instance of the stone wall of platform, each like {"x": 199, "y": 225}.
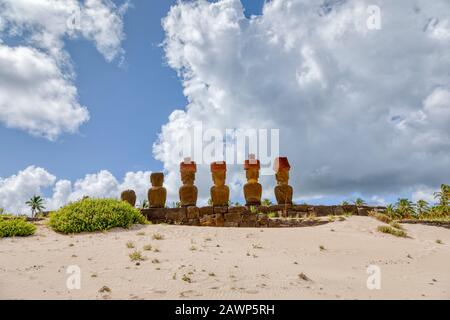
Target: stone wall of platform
{"x": 271, "y": 216}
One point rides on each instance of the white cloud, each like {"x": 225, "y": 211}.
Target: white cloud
{"x": 37, "y": 91}
{"x": 17, "y": 189}
{"x": 370, "y": 106}
{"x": 424, "y": 193}
{"x": 35, "y": 95}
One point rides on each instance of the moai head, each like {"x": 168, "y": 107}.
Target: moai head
{"x": 219, "y": 173}
{"x": 188, "y": 169}
{"x": 129, "y": 196}
{"x": 282, "y": 168}
{"x": 157, "y": 179}
{"x": 252, "y": 167}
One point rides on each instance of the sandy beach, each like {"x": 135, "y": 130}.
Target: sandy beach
{"x": 229, "y": 263}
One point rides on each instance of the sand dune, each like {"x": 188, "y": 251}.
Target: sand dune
{"x": 223, "y": 263}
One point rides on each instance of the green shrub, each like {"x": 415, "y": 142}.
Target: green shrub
{"x": 90, "y": 215}
{"x": 15, "y": 227}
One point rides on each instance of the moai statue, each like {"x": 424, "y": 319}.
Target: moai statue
{"x": 220, "y": 193}
{"x": 283, "y": 191}
{"x": 129, "y": 196}
{"x": 157, "y": 194}
{"x": 188, "y": 192}
{"x": 252, "y": 189}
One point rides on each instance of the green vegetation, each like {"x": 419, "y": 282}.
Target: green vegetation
{"x": 158, "y": 236}
{"x": 266, "y": 203}
{"x": 422, "y": 210}
{"x": 136, "y": 256}
{"x": 90, "y": 215}
{"x": 360, "y": 202}
{"x": 15, "y": 227}
{"x": 273, "y": 215}
{"x": 36, "y": 203}
{"x": 393, "y": 231}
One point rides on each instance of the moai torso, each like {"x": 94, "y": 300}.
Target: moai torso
{"x": 283, "y": 191}
{"x": 252, "y": 189}
{"x": 220, "y": 193}
{"x": 129, "y": 196}
{"x": 188, "y": 191}
{"x": 157, "y": 194}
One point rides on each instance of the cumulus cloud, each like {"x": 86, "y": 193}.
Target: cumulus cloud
{"x": 359, "y": 110}
{"x": 37, "y": 91}
{"x": 17, "y": 189}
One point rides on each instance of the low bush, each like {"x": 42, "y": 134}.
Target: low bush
{"x": 90, "y": 215}
{"x": 15, "y": 227}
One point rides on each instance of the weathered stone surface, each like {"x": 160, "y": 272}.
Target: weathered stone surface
{"x": 154, "y": 214}
{"x": 252, "y": 189}
{"x": 263, "y": 220}
{"x": 274, "y": 223}
{"x": 193, "y": 222}
{"x": 188, "y": 191}
{"x": 175, "y": 215}
{"x": 322, "y": 211}
{"x": 231, "y": 224}
{"x": 157, "y": 194}
{"x": 193, "y": 212}
{"x": 338, "y": 210}
{"x": 220, "y": 193}
{"x": 350, "y": 209}
{"x": 262, "y": 209}
{"x": 283, "y": 191}
{"x": 220, "y": 221}
{"x": 237, "y": 209}
{"x": 292, "y": 214}
{"x": 249, "y": 220}
{"x": 279, "y": 208}
{"x": 301, "y": 207}
{"x": 220, "y": 210}
{"x": 233, "y": 217}
{"x": 364, "y": 211}
{"x": 129, "y": 196}
{"x": 206, "y": 211}
{"x": 208, "y": 220}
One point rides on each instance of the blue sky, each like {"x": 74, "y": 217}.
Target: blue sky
{"x": 322, "y": 77}
{"x": 128, "y": 104}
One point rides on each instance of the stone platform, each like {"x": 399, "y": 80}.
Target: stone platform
{"x": 247, "y": 217}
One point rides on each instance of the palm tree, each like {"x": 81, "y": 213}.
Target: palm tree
{"x": 390, "y": 210}
{"x": 345, "y": 203}
{"x": 360, "y": 202}
{"x": 144, "y": 204}
{"x": 422, "y": 207}
{"x": 36, "y": 203}
{"x": 405, "y": 207}
{"x": 266, "y": 203}
{"x": 443, "y": 196}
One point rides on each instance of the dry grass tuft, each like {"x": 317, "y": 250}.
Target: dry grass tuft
{"x": 392, "y": 231}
